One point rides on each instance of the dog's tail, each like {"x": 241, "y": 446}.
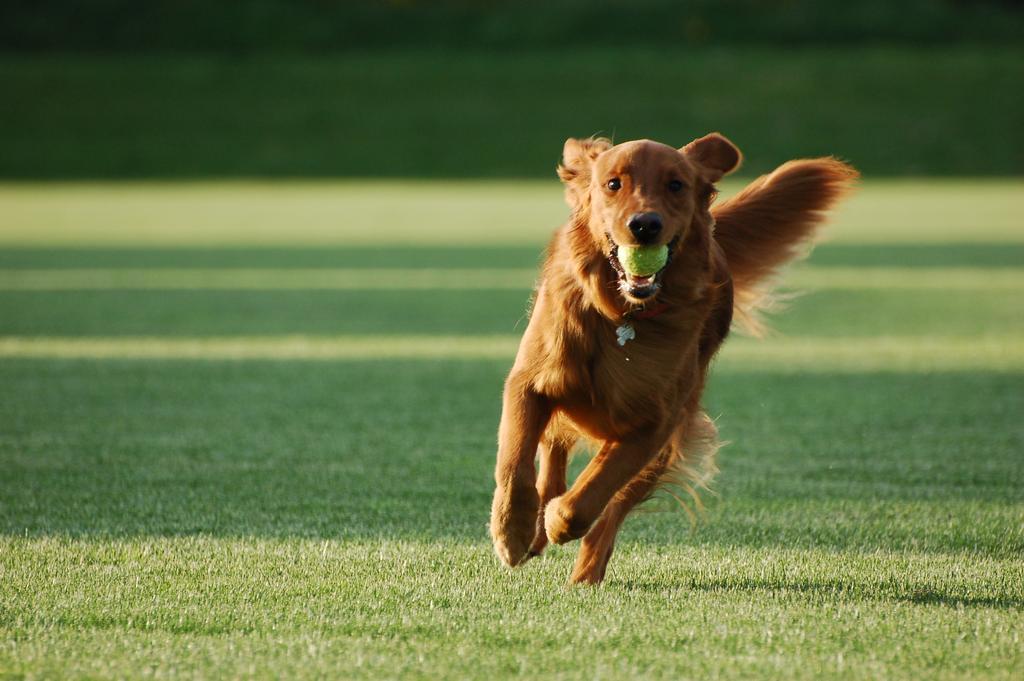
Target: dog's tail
{"x": 773, "y": 221}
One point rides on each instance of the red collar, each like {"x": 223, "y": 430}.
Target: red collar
{"x": 651, "y": 313}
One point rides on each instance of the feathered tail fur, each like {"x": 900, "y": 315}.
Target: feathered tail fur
{"x": 773, "y": 221}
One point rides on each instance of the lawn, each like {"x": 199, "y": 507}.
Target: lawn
{"x": 246, "y": 429}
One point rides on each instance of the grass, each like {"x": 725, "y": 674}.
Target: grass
{"x": 894, "y": 111}
{"x": 439, "y": 224}
{"x": 202, "y": 475}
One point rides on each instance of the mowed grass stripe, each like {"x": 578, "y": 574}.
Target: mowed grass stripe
{"x": 376, "y": 279}
{"x": 441, "y": 213}
{"x": 906, "y": 278}
{"x": 798, "y": 354}
{"x": 981, "y": 254}
{"x": 263, "y": 347}
{"x": 352, "y": 279}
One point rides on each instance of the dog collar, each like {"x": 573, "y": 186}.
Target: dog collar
{"x": 625, "y": 332}
{"x": 648, "y": 314}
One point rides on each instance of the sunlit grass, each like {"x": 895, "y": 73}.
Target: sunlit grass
{"x": 806, "y": 354}
{"x": 441, "y": 213}
{"x": 309, "y": 608}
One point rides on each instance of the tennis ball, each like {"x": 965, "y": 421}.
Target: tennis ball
{"x": 642, "y": 261}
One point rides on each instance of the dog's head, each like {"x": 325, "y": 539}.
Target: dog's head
{"x": 643, "y": 194}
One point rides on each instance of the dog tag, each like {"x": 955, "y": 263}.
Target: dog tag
{"x": 625, "y": 333}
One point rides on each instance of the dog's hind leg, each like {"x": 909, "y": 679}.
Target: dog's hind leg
{"x": 688, "y": 462}
{"x": 598, "y": 544}
{"x": 571, "y": 515}
{"x": 553, "y": 454}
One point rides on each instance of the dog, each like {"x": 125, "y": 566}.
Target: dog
{"x": 621, "y": 360}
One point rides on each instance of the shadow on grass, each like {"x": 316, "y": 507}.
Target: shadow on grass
{"x": 413, "y": 257}
{"x": 829, "y": 591}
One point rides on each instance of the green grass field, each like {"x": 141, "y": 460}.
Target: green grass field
{"x": 247, "y": 430}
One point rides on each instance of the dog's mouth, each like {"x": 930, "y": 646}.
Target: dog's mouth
{"x": 636, "y": 286}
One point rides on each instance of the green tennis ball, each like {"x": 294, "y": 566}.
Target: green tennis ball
{"x": 642, "y": 261}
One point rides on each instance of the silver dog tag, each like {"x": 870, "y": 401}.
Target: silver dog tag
{"x": 625, "y": 333}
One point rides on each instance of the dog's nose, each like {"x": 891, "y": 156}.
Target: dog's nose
{"x": 645, "y": 226}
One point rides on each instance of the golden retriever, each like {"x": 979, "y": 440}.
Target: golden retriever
{"x": 622, "y": 359}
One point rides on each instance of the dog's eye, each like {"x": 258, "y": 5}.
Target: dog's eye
{"x": 615, "y": 184}
{"x": 675, "y": 186}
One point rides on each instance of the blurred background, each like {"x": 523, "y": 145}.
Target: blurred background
{"x": 461, "y": 89}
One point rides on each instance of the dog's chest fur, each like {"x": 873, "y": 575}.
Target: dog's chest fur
{"x": 609, "y": 389}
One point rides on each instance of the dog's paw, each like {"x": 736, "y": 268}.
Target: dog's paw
{"x": 562, "y": 523}
{"x": 511, "y": 550}
{"x": 591, "y": 564}
{"x": 513, "y": 524}
{"x": 590, "y": 576}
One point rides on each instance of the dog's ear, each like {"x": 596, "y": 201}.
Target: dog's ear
{"x": 577, "y": 157}
{"x": 715, "y": 154}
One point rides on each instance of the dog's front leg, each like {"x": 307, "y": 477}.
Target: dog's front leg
{"x": 569, "y": 516}
{"x": 514, "y": 511}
